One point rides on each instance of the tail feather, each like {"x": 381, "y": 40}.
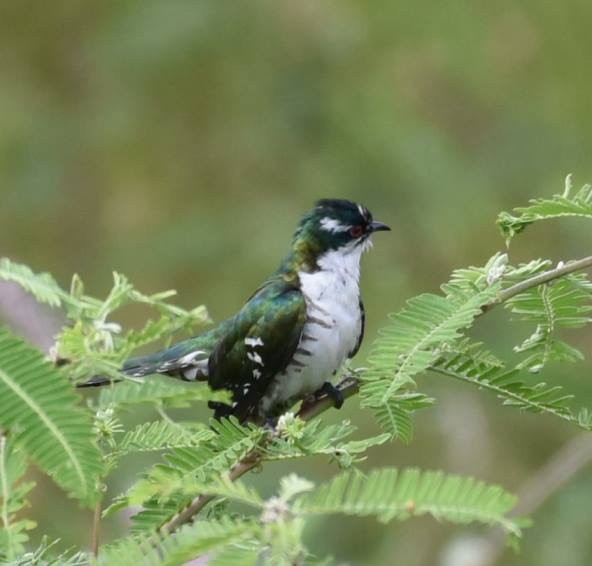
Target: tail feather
{"x": 187, "y": 360}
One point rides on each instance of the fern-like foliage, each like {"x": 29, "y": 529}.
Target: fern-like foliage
{"x": 392, "y": 494}
{"x": 158, "y": 390}
{"x": 162, "y": 435}
{"x": 469, "y": 363}
{"x": 42, "y": 285}
{"x": 558, "y": 206}
{"x": 297, "y": 439}
{"x": 46, "y": 555}
{"x": 189, "y": 542}
{"x": 40, "y": 416}
{"x": 13, "y": 494}
{"x": 496, "y": 269}
{"x": 170, "y": 485}
{"x": 40, "y": 411}
{"x": 94, "y": 344}
{"x": 564, "y": 303}
{"x": 243, "y": 553}
{"x": 275, "y": 534}
{"x": 408, "y": 345}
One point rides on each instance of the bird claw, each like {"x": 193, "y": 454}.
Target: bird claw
{"x": 333, "y": 393}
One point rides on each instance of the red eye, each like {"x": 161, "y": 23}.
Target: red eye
{"x": 356, "y": 231}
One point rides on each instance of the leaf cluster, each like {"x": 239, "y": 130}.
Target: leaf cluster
{"x": 94, "y": 343}
{"x": 275, "y": 533}
{"x": 43, "y": 421}
{"x": 568, "y": 203}
{"x": 41, "y": 417}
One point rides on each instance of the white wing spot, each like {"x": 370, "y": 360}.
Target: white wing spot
{"x": 256, "y": 373}
{"x": 332, "y": 225}
{"x": 246, "y": 388}
{"x": 254, "y": 357}
{"x": 252, "y": 342}
{"x": 190, "y": 373}
{"x": 190, "y": 358}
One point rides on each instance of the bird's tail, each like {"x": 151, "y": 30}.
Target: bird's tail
{"x": 187, "y": 360}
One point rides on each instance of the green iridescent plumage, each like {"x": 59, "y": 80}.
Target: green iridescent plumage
{"x": 275, "y": 316}
{"x": 250, "y": 351}
{"x": 273, "y": 319}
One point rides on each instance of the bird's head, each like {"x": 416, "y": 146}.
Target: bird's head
{"x": 335, "y": 225}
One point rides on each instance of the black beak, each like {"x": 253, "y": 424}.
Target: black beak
{"x": 378, "y": 226}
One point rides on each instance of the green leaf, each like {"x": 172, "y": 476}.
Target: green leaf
{"x": 314, "y": 438}
{"x": 497, "y": 268}
{"x": 186, "y": 470}
{"x": 189, "y": 543}
{"x": 41, "y": 285}
{"x": 395, "y": 414}
{"x": 94, "y": 345}
{"x": 245, "y": 553}
{"x": 232, "y": 442}
{"x": 391, "y": 494}
{"x": 223, "y": 486}
{"x": 564, "y": 303}
{"x": 161, "y": 435}
{"x": 44, "y": 555}
{"x": 158, "y": 390}
{"x": 558, "y": 206}
{"x": 40, "y": 410}
{"x": 13, "y": 493}
{"x": 163, "y": 327}
{"x": 409, "y": 344}
{"x": 474, "y": 367}
{"x": 293, "y": 485}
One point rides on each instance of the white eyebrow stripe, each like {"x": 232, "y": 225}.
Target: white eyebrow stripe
{"x": 332, "y": 225}
{"x": 363, "y": 211}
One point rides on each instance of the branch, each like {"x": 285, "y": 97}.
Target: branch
{"x": 249, "y": 462}
{"x": 558, "y": 272}
{"x": 350, "y": 386}
{"x": 94, "y": 541}
{"x": 561, "y": 467}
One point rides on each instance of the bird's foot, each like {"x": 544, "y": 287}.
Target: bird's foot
{"x": 332, "y": 392}
{"x": 270, "y": 424}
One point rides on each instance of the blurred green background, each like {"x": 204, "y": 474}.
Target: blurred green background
{"x": 179, "y": 142}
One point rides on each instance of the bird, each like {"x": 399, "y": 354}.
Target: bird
{"x": 293, "y": 334}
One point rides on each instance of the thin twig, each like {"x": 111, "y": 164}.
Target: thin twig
{"x": 545, "y": 277}
{"x": 249, "y": 462}
{"x": 5, "y": 515}
{"x": 561, "y": 467}
{"x": 95, "y": 536}
{"x": 350, "y": 386}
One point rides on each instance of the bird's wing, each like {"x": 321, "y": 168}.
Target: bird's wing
{"x": 362, "y": 328}
{"x": 259, "y": 345}
{"x": 187, "y": 359}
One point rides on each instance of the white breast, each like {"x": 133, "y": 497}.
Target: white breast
{"x": 331, "y": 331}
